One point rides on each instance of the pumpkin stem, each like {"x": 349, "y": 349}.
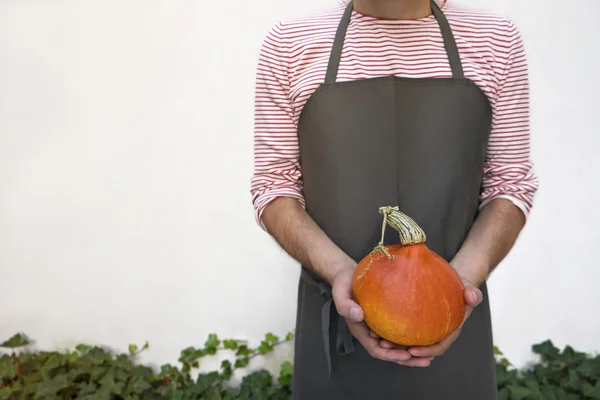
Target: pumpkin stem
{"x": 410, "y": 232}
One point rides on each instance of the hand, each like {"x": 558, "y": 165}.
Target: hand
{"x": 473, "y": 298}
{"x": 354, "y": 315}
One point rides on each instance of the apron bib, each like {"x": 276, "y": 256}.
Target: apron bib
{"x": 416, "y": 143}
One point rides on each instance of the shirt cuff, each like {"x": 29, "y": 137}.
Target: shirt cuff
{"x": 265, "y": 199}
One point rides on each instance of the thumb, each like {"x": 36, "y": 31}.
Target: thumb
{"x": 342, "y": 298}
{"x": 473, "y": 295}
{"x": 348, "y": 308}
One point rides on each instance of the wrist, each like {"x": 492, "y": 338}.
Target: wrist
{"x": 336, "y": 268}
{"x": 476, "y": 273}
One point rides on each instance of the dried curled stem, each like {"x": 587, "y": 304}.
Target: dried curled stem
{"x": 410, "y": 232}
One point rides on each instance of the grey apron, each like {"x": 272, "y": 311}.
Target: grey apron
{"x": 416, "y": 143}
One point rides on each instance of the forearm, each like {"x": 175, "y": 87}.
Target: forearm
{"x": 490, "y": 239}
{"x": 299, "y": 235}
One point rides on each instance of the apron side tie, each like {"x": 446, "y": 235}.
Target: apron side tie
{"x": 344, "y": 339}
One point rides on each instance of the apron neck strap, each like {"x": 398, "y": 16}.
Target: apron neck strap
{"x": 448, "y": 37}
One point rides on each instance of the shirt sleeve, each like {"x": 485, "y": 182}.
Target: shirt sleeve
{"x": 508, "y": 171}
{"x": 276, "y": 153}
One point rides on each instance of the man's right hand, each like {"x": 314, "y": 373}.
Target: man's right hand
{"x": 354, "y": 315}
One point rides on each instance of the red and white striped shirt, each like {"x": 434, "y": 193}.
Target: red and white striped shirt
{"x": 294, "y": 58}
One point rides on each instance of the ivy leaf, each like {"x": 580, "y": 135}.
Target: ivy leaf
{"x": 82, "y": 348}
{"x": 8, "y": 369}
{"x": 53, "y": 362}
{"x": 264, "y": 348}
{"x": 549, "y": 393}
{"x": 520, "y": 392}
{"x": 243, "y": 350}
{"x": 16, "y": 341}
{"x": 5, "y": 393}
{"x": 573, "y": 380}
{"x": 138, "y": 385}
{"x": 271, "y": 338}
{"x": 50, "y": 388}
{"x": 230, "y": 344}
{"x": 242, "y": 362}
{"x": 227, "y": 370}
{"x": 571, "y": 356}
{"x": 593, "y": 392}
{"x": 534, "y": 386}
{"x": 503, "y": 394}
{"x": 286, "y": 373}
{"x": 586, "y": 368}
{"x": 204, "y": 382}
{"x": 213, "y": 394}
{"x": 547, "y": 350}
{"x": 258, "y": 380}
{"x": 212, "y": 343}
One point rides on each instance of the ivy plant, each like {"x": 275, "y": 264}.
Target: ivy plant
{"x": 558, "y": 375}
{"x": 95, "y": 373}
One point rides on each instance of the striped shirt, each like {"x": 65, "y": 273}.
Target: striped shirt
{"x": 292, "y": 64}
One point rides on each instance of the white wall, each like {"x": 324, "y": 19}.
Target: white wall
{"x": 126, "y": 153}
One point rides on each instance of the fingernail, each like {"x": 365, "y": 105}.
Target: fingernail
{"x": 354, "y": 314}
{"x": 475, "y": 295}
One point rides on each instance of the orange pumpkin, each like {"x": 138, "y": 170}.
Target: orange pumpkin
{"x": 410, "y": 295}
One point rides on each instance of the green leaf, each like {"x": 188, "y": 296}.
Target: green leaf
{"x": 520, "y": 392}
{"x": 50, "y": 388}
{"x": 573, "y": 380}
{"x": 286, "y": 373}
{"x": 549, "y": 393}
{"x": 133, "y": 348}
{"x": 533, "y": 385}
{"x": 546, "y": 349}
{"x": 271, "y": 338}
{"x": 16, "y": 341}
{"x": 138, "y": 385}
{"x": 243, "y": 350}
{"x": 586, "y": 368}
{"x": 213, "y": 394}
{"x": 289, "y": 336}
{"x": 593, "y": 392}
{"x": 212, "y": 343}
{"x": 8, "y": 369}
{"x": 230, "y": 344}
{"x": 82, "y": 348}
{"x": 227, "y": 370}
{"x": 503, "y": 394}
{"x": 242, "y": 362}
{"x": 5, "y": 393}
{"x": 264, "y": 348}
{"x": 53, "y": 362}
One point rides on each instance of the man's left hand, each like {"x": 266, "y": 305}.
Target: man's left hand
{"x": 473, "y": 298}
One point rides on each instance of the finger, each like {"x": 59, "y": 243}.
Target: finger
{"x": 434, "y": 350}
{"x": 371, "y": 345}
{"x": 417, "y": 362}
{"x": 389, "y": 345}
{"x": 374, "y": 335}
